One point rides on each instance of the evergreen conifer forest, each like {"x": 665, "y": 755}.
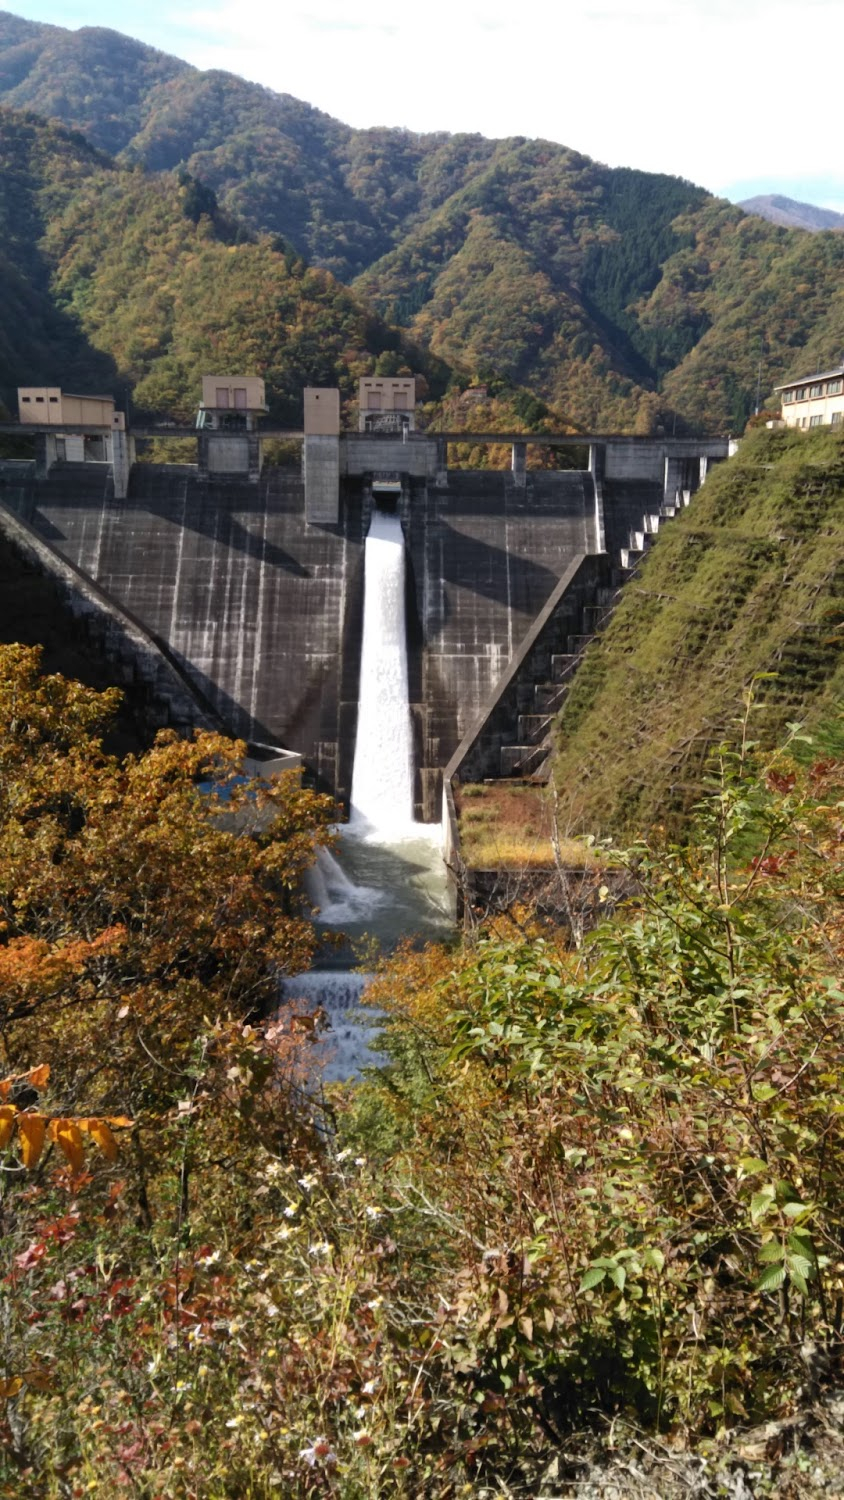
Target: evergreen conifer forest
{"x": 581, "y": 1232}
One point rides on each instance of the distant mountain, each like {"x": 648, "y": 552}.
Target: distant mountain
{"x": 791, "y": 214}
{"x": 622, "y": 300}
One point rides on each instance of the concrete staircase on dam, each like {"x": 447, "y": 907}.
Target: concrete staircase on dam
{"x": 516, "y": 743}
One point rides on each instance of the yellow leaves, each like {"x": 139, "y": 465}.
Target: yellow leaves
{"x": 10, "y": 1387}
{"x": 34, "y": 1128}
{"x": 7, "y": 1123}
{"x": 100, "y": 1132}
{"x": 68, "y": 1137}
{"x": 32, "y": 1132}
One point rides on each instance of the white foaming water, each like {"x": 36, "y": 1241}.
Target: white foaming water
{"x": 338, "y": 899}
{"x": 382, "y": 776}
{"x": 344, "y": 1046}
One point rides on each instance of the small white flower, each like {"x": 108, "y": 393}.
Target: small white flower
{"x": 309, "y": 1182}
{"x": 283, "y": 1233}
{"x": 371, "y": 1387}
{"x": 375, "y": 1304}
{"x": 373, "y": 1213}
{"x": 291, "y": 1210}
{"x": 361, "y": 1438}
{"x": 272, "y": 1310}
{"x": 360, "y": 1161}
{"x": 211, "y": 1259}
{"x": 319, "y": 1451}
{"x": 321, "y": 1247}
{"x": 343, "y": 1155}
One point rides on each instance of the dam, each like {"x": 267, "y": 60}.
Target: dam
{"x": 251, "y": 583}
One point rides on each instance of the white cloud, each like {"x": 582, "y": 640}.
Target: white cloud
{"x": 711, "y": 90}
{"x": 721, "y": 91}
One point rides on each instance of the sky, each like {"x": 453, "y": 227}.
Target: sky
{"x": 739, "y": 96}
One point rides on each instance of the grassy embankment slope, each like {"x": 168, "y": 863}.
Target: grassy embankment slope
{"x": 748, "y": 580}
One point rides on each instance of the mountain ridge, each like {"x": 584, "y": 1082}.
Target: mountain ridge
{"x": 621, "y": 299}
{"x": 791, "y": 213}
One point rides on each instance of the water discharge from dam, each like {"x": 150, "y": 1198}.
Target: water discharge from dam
{"x": 382, "y": 778}
{"x": 387, "y": 877}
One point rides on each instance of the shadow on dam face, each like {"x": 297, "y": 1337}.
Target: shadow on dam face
{"x": 264, "y": 611}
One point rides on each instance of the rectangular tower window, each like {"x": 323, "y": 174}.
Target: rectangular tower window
{"x": 222, "y": 396}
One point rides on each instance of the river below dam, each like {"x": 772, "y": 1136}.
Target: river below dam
{"x": 386, "y": 878}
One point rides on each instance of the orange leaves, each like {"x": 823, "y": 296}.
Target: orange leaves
{"x": 28, "y": 963}
{"x": 37, "y": 1078}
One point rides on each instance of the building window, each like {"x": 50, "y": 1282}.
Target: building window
{"x": 374, "y": 402}
{"x": 26, "y": 399}
{"x": 223, "y": 396}
{"x": 40, "y": 400}
{"x": 836, "y": 418}
{"x": 834, "y": 388}
{"x": 815, "y": 390}
{"x": 815, "y": 421}
{"x": 786, "y": 397}
{"x": 400, "y": 401}
{"x": 240, "y": 398}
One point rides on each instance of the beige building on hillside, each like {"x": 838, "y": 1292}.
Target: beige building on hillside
{"x": 387, "y": 403}
{"x": 814, "y": 400}
{"x": 322, "y": 411}
{"x": 231, "y": 402}
{"x": 48, "y": 406}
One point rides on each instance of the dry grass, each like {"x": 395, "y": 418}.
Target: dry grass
{"x": 507, "y": 824}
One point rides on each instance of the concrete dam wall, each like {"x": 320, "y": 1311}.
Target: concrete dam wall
{"x": 261, "y": 608}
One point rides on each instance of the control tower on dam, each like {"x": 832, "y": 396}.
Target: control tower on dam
{"x": 253, "y": 582}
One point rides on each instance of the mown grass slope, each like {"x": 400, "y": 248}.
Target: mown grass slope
{"x": 747, "y": 581}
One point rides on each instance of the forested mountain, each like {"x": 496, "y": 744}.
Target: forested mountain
{"x": 623, "y": 299}
{"x": 115, "y": 277}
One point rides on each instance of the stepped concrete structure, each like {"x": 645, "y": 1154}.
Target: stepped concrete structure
{"x": 251, "y": 582}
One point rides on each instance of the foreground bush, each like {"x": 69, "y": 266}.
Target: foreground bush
{"x": 586, "y": 1185}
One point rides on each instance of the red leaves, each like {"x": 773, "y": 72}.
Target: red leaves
{"x": 31, "y": 1256}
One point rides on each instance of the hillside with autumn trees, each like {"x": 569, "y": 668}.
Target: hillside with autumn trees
{"x": 622, "y": 300}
